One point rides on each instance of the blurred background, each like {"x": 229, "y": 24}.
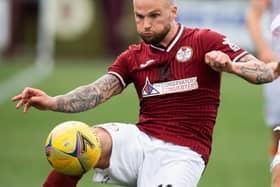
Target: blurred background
{"x": 59, "y": 45}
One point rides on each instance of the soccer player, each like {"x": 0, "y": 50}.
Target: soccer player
{"x": 176, "y": 72}
{"x": 267, "y": 52}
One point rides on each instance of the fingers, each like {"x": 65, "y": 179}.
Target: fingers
{"x": 25, "y": 98}
{"x": 217, "y": 60}
{"x": 20, "y": 104}
{"x": 216, "y": 57}
{"x": 16, "y": 98}
{"x": 29, "y": 92}
{"x": 22, "y": 95}
{"x": 26, "y": 107}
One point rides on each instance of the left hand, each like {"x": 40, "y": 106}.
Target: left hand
{"x": 218, "y": 61}
{"x": 36, "y": 98}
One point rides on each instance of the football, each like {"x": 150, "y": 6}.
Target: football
{"x": 72, "y": 148}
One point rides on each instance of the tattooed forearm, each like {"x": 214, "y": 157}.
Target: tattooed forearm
{"x": 259, "y": 73}
{"x": 254, "y": 70}
{"x": 248, "y": 58}
{"x": 81, "y": 99}
{"x": 89, "y": 96}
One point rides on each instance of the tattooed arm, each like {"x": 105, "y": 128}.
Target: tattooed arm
{"x": 256, "y": 71}
{"x": 248, "y": 68}
{"x": 78, "y": 100}
{"x": 89, "y": 96}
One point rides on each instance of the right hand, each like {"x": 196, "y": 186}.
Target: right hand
{"x": 219, "y": 61}
{"x": 36, "y": 98}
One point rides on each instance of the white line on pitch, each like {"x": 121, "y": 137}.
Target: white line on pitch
{"x": 27, "y": 77}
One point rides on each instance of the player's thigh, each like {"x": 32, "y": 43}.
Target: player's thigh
{"x": 126, "y": 157}
{"x": 178, "y": 174}
{"x": 170, "y": 166}
{"x": 173, "y": 174}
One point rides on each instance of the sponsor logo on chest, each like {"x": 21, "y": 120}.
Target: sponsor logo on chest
{"x": 169, "y": 87}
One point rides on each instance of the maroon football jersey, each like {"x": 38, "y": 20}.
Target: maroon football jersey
{"x": 178, "y": 92}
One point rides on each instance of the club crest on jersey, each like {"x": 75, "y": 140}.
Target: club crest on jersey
{"x": 169, "y": 87}
{"x": 184, "y": 54}
{"x": 232, "y": 45}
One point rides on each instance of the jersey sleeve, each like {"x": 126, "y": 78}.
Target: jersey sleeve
{"x": 215, "y": 41}
{"x": 120, "y": 68}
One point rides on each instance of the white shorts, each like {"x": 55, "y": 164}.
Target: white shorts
{"x": 143, "y": 161}
{"x": 272, "y": 103}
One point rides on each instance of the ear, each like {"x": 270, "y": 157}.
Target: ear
{"x": 174, "y": 12}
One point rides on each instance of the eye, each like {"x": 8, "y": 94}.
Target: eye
{"x": 155, "y": 15}
{"x": 138, "y": 16}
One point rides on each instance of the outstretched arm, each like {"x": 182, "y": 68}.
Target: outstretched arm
{"x": 248, "y": 67}
{"x": 78, "y": 100}
{"x": 89, "y": 96}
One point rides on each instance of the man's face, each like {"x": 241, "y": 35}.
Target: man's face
{"x": 153, "y": 19}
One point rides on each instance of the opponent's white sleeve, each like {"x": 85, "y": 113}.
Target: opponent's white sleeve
{"x": 275, "y": 161}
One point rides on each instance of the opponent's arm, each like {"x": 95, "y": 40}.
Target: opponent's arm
{"x": 275, "y": 170}
{"x": 248, "y": 67}
{"x": 275, "y": 178}
{"x": 89, "y": 96}
{"x": 254, "y": 16}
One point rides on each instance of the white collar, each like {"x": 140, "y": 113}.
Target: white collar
{"x": 172, "y": 44}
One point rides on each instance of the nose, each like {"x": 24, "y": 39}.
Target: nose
{"x": 147, "y": 23}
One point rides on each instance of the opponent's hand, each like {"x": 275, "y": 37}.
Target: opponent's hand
{"x": 275, "y": 66}
{"x": 36, "y": 98}
{"x": 218, "y": 61}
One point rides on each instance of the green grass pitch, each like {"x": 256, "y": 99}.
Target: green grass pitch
{"x": 240, "y": 154}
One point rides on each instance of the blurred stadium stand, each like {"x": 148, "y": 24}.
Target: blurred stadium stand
{"x": 105, "y": 35}
{"x": 4, "y": 23}
{"x": 112, "y": 26}
{"x": 224, "y": 16}
{"x": 23, "y": 20}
